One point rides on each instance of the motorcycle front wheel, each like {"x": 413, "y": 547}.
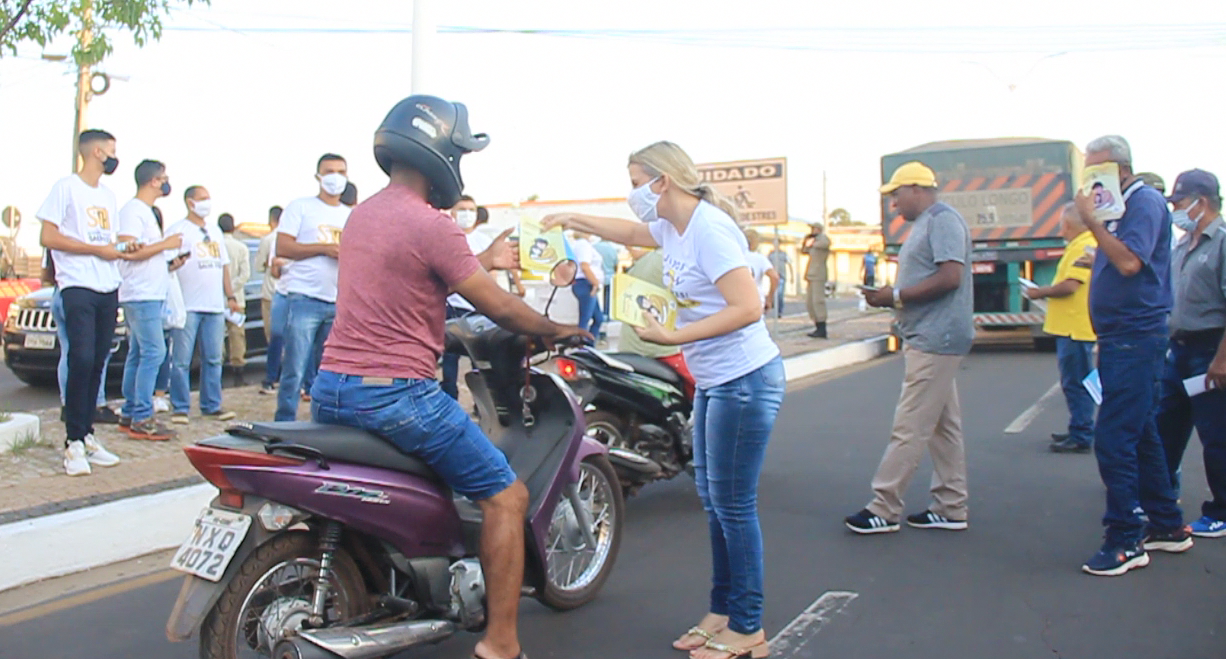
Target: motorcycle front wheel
{"x": 575, "y": 571}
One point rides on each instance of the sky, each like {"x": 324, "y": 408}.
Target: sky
{"x": 245, "y": 111}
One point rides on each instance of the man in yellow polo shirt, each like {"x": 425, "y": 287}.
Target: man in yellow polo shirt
{"x": 1068, "y": 319}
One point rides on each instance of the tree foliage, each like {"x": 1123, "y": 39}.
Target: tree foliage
{"x": 839, "y": 217}
{"x": 41, "y": 21}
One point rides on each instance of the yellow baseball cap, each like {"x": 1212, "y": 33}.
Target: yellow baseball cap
{"x": 911, "y": 173}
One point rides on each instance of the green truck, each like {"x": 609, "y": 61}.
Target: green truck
{"x": 1012, "y": 192}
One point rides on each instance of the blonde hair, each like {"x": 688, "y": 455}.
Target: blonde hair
{"x": 668, "y": 159}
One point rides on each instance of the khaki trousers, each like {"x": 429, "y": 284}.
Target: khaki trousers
{"x": 266, "y": 314}
{"x": 928, "y": 416}
{"x": 815, "y": 299}
{"x": 236, "y": 336}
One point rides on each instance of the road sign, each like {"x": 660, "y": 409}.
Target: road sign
{"x": 10, "y": 217}
{"x": 759, "y": 188}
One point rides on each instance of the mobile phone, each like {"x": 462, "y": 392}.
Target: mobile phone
{"x": 869, "y": 289}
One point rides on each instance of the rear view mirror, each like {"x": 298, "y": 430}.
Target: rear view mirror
{"x": 563, "y": 274}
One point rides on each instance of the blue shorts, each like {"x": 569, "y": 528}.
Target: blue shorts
{"x": 421, "y": 420}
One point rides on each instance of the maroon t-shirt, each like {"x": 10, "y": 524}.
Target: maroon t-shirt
{"x": 399, "y": 259}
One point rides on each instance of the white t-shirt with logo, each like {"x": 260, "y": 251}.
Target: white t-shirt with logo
{"x": 711, "y": 247}
{"x": 310, "y": 221}
{"x": 142, "y": 280}
{"x": 586, "y": 253}
{"x": 477, "y": 242}
{"x": 202, "y": 277}
{"x": 759, "y": 265}
{"x": 88, "y": 214}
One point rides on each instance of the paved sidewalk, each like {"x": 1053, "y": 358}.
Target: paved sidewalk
{"x": 32, "y": 482}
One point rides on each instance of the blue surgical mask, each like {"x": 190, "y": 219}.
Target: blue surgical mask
{"x": 1183, "y": 220}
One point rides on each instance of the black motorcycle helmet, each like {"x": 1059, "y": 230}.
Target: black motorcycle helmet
{"x": 429, "y": 135}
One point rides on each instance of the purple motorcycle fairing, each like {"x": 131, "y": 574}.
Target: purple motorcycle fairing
{"x": 415, "y": 515}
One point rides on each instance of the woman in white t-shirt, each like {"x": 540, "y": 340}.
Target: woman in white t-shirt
{"x": 737, "y": 367}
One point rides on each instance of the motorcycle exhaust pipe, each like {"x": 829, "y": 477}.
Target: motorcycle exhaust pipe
{"x": 632, "y": 467}
{"x": 363, "y": 642}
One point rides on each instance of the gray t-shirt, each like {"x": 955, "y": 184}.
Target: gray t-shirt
{"x": 943, "y": 326}
{"x": 1200, "y": 281}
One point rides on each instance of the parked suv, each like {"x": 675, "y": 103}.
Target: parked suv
{"x": 32, "y": 350}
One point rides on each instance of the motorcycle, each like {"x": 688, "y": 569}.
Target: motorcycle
{"x": 641, "y": 411}
{"x": 327, "y": 541}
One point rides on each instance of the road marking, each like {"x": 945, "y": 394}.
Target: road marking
{"x": 87, "y": 597}
{"x": 791, "y": 639}
{"x": 1025, "y": 418}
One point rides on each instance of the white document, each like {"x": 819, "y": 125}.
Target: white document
{"x": 236, "y": 318}
{"x": 1094, "y": 386}
{"x": 1195, "y": 385}
{"x": 1041, "y": 305}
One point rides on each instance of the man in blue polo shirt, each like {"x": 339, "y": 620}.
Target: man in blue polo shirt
{"x": 1130, "y": 297}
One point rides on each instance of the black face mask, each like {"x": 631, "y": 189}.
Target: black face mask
{"x": 166, "y": 189}
{"x": 110, "y": 165}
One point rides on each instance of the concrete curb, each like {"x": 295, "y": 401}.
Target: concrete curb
{"x": 90, "y": 537}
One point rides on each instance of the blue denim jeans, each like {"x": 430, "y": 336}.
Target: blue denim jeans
{"x": 1131, "y": 459}
{"x": 590, "y": 316}
{"x": 163, "y": 378}
{"x": 420, "y": 420}
{"x": 1076, "y": 359}
{"x": 307, "y": 323}
{"x": 210, "y": 329}
{"x": 146, "y": 352}
{"x": 277, "y": 312}
{"x": 1178, "y": 414}
{"x": 61, "y": 334}
{"x": 732, "y": 425}
{"x": 779, "y": 294}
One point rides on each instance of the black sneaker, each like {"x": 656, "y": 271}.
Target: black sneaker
{"x": 1057, "y": 437}
{"x": 106, "y": 416}
{"x": 865, "y": 523}
{"x": 1112, "y": 561}
{"x": 931, "y": 520}
{"x": 1069, "y": 446}
{"x": 125, "y": 422}
{"x": 268, "y": 390}
{"x": 1173, "y": 541}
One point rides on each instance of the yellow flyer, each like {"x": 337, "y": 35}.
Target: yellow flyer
{"x": 1102, "y": 183}
{"x": 539, "y": 250}
{"x": 633, "y": 297}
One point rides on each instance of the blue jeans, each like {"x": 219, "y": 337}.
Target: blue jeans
{"x": 308, "y": 322}
{"x": 210, "y": 328}
{"x": 163, "y": 379}
{"x": 1076, "y": 359}
{"x": 1131, "y": 459}
{"x": 146, "y": 352}
{"x": 732, "y": 424}
{"x": 779, "y": 299}
{"x": 590, "y": 316}
{"x": 451, "y": 360}
{"x": 61, "y": 333}
{"x": 1178, "y": 414}
{"x": 420, "y": 420}
{"x": 277, "y": 312}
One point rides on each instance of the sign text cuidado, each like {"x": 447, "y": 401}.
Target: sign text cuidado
{"x": 757, "y": 187}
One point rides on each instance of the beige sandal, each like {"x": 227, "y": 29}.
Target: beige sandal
{"x": 707, "y": 637}
{"x": 758, "y": 651}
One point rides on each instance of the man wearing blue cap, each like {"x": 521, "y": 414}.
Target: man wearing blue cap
{"x": 1130, "y": 297}
{"x": 1198, "y": 342}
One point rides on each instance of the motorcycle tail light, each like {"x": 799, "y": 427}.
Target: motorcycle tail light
{"x": 277, "y": 517}
{"x": 211, "y": 463}
{"x": 567, "y": 369}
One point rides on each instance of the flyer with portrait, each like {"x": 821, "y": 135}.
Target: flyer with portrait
{"x": 1102, "y": 184}
{"x": 633, "y": 297}
{"x": 540, "y": 250}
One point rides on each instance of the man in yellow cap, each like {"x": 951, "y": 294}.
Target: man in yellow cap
{"x": 934, "y": 302}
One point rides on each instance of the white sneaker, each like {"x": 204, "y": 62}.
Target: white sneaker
{"x": 161, "y": 404}
{"x": 75, "y": 462}
{"x": 97, "y": 454}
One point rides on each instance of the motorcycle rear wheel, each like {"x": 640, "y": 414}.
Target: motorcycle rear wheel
{"x": 575, "y": 573}
{"x": 607, "y": 428}
{"x": 233, "y": 616}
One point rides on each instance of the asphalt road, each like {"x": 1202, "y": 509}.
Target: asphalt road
{"x": 1010, "y": 587}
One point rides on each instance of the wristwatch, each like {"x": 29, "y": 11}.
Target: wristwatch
{"x": 897, "y": 299}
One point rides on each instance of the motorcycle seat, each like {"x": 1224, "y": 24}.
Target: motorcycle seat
{"x": 346, "y": 444}
{"x": 650, "y": 367}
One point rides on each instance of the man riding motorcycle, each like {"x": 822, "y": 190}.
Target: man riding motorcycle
{"x": 400, "y": 257}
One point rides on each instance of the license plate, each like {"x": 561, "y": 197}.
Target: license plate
{"x": 40, "y": 341}
{"x": 212, "y": 545}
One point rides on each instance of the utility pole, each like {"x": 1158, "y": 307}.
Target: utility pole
{"x": 825, "y": 212}
{"x": 84, "y": 38}
{"x": 424, "y": 30}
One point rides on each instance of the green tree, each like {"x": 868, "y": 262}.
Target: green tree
{"x": 839, "y": 217}
{"x": 41, "y": 21}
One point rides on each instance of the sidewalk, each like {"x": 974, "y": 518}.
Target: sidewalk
{"x": 33, "y": 484}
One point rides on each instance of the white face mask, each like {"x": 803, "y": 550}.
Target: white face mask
{"x": 466, "y": 219}
{"x": 333, "y": 183}
{"x": 643, "y": 201}
{"x": 202, "y": 208}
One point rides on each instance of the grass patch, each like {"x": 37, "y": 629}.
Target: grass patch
{"x": 24, "y": 443}
{"x": 5, "y": 417}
